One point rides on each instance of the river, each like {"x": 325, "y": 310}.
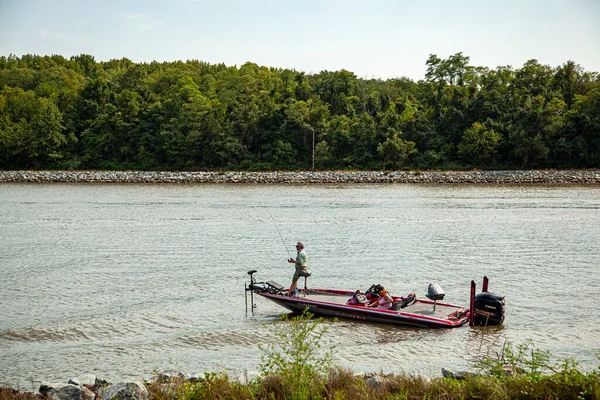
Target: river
{"x": 121, "y": 280}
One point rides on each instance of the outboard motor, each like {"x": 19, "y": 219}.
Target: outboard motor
{"x": 489, "y": 309}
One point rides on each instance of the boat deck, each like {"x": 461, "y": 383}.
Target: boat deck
{"x": 423, "y": 313}
{"x": 421, "y": 307}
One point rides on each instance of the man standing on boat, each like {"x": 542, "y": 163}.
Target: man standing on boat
{"x": 300, "y": 261}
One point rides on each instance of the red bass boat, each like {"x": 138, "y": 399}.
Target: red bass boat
{"x": 485, "y": 308}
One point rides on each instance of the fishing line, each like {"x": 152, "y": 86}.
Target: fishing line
{"x": 282, "y": 241}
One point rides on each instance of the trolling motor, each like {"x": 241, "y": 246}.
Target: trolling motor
{"x": 253, "y": 286}
{"x": 250, "y": 288}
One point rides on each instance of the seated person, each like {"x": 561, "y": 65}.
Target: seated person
{"x": 384, "y": 301}
{"x": 372, "y": 293}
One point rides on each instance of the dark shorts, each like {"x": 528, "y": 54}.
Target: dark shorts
{"x": 297, "y": 273}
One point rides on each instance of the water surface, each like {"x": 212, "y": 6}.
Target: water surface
{"x": 120, "y": 280}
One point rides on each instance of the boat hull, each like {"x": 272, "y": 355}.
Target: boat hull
{"x": 424, "y": 314}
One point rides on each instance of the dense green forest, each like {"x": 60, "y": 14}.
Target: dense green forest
{"x": 77, "y": 113}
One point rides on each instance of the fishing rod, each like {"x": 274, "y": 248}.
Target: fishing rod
{"x": 282, "y": 241}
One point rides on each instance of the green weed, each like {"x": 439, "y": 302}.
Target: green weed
{"x": 296, "y": 354}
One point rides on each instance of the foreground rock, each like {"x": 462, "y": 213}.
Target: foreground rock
{"x": 66, "y": 392}
{"x": 88, "y": 380}
{"x": 86, "y": 387}
{"x": 456, "y": 177}
{"x": 461, "y": 375}
{"x": 90, "y": 387}
{"x": 124, "y": 391}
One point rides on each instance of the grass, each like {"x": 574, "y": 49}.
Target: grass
{"x": 342, "y": 384}
{"x": 296, "y": 365}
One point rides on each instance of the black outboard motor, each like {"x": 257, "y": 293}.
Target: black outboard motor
{"x": 489, "y": 309}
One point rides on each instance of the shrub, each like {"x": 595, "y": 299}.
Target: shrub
{"x": 216, "y": 386}
{"x": 295, "y": 354}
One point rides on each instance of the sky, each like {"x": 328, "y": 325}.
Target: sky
{"x": 372, "y": 38}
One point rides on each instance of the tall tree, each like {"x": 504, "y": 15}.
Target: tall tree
{"x": 30, "y": 129}
{"x": 311, "y": 116}
{"x": 479, "y": 145}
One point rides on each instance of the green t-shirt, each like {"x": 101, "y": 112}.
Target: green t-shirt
{"x": 301, "y": 259}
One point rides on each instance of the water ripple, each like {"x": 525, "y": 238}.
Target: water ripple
{"x": 220, "y": 340}
{"x": 130, "y": 278}
{"x": 43, "y": 335}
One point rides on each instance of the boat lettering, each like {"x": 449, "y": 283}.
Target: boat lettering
{"x": 306, "y": 305}
{"x": 345, "y": 315}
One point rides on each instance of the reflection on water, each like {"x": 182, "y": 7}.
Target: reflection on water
{"x": 121, "y": 280}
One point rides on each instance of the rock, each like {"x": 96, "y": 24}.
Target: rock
{"x": 46, "y": 387}
{"x": 124, "y": 391}
{"x": 195, "y": 378}
{"x": 67, "y": 391}
{"x": 441, "y": 177}
{"x": 377, "y": 381}
{"x": 416, "y": 375}
{"x": 169, "y": 375}
{"x": 87, "y": 380}
{"x": 446, "y": 373}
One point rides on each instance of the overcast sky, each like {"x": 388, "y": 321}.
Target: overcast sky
{"x": 372, "y": 38}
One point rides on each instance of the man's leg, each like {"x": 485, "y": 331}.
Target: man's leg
{"x": 294, "y": 281}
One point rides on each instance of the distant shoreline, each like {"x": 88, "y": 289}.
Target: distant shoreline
{"x": 300, "y": 177}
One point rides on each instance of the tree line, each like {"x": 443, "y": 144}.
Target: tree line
{"x": 77, "y": 113}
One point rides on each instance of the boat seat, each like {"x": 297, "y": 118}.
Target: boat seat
{"x": 305, "y": 274}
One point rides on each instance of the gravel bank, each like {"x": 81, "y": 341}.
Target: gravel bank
{"x": 503, "y": 177}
